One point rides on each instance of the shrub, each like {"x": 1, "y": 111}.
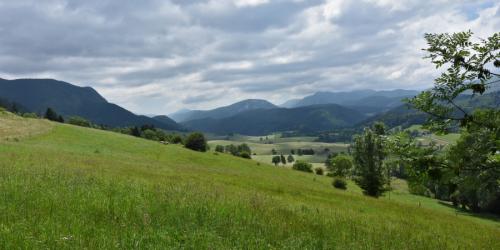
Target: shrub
{"x": 79, "y": 121}
{"x": 303, "y": 166}
{"x": 319, "y": 171}
{"x": 177, "y": 139}
{"x": 340, "y": 165}
{"x": 30, "y": 115}
{"x": 245, "y": 155}
{"x": 219, "y": 148}
{"x": 339, "y": 183}
{"x": 197, "y": 142}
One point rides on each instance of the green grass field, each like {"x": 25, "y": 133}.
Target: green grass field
{"x": 66, "y": 187}
{"x": 438, "y": 139}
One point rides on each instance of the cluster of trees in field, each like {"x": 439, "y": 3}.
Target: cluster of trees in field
{"x": 466, "y": 173}
{"x": 277, "y": 159}
{"x": 299, "y": 151}
{"x": 242, "y": 150}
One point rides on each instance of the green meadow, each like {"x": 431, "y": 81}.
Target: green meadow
{"x": 262, "y": 149}
{"x": 67, "y": 187}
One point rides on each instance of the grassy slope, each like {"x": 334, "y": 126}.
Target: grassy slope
{"x": 75, "y": 187}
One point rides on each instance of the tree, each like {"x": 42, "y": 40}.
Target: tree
{"x": 51, "y": 115}
{"x": 340, "y": 165}
{"x": 303, "y": 166}
{"x": 276, "y": 160}
{"x": 219, "y": 148}
{"x": 196, "y": 141}
{"x": 283, "y": 159}
{"x": 135, "y": 132}
{"x": 473, "y": 163}
{"x": 273, "y": 151}
{"x": 290, "y": 159}
{"x": 369, "y": 158}
{"x": 292, "y": 152}
{"x": 150, "y": 135}
{"x": 469, "y": 67}
{"x": 417, "y": 164}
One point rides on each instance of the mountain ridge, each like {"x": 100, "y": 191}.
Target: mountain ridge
{"x": 222, "y": 112}
{"x": 264, "y": 121}
{"x": 67, "y": 99}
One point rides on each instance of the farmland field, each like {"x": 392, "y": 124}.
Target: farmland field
{"x": 263, "y": 149}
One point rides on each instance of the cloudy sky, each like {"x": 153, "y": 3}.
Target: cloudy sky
{"x": 157, "y": 56}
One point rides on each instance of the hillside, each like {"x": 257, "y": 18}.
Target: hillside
{"x": 36, "y": 95}
{"x": 380, "y": 99}
{"x": 265, "y": 121}
{"x": 68, "y": 187}
{"x": 405, "y": 116}
{"x": 222, "y": 112}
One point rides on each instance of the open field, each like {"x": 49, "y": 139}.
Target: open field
{"x": 438, "y": 139}
{"x": 284, "y": 146}
{"x": 70, "y": 187}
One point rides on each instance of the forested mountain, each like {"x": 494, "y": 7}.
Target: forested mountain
{"x": 264, "y": 121}
{"x": 36, "y": 95}
{"x": 222, "y": 112}
{"x": 404, "y": 115}
{"x": 383, "y": 99}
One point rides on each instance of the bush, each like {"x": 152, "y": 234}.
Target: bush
{"x": 303, "y": 166}
{"x": 319, "y": 171}
{"x": 340, "y": 165}
{"x": 339, "y": 183}
{"x": 79, "y": 121}
{"x": 245, "y": 155}
{"x": 177, "y": 139}
{"x": 197, "y": 142}
{"x": 30, "y": 115}
{"x": 219, "y": 148}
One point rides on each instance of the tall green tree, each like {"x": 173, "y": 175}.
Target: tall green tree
{"x": 469, "y": 66}
{"x": 50, "y": 114}
{"x": 475, "y": 161}
{"x": 369, "y": 158}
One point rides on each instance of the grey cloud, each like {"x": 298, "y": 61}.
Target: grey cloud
{"x": 187, "y": 53}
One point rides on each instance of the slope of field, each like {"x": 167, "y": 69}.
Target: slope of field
{"x": 69, "y": 187}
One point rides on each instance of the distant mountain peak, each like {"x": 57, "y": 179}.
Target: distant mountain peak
{"x": 223, "y": 112}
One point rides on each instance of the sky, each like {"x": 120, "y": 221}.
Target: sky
{"x": 158, "y": 56}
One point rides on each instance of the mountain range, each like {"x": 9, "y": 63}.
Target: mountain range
{"x": 318, "y": 112}
{"x": 265, "y": 121}
{"x": 36, "y": 95}
{"x": 382, "y": 98}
